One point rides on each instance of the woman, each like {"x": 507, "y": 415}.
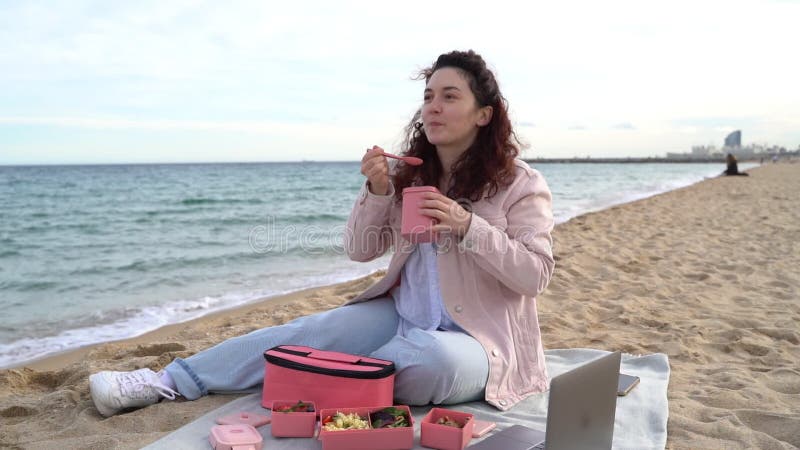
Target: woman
{"x": 733, "y": 167}
{"x": 457, "y": 316}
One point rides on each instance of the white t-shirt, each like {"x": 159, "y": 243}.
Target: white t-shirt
{"x": 418, "y": 298}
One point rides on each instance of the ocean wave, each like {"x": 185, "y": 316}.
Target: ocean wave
{"x": 170, "y": 211}
{"x": 313, "y": 218}
{"x": 318, "y": 188}
{"x": 9, "y": 253}
{"x": 70, "y": 288}
{"x": 278, "y": 219}
{"x": 309, "y": 243}
{"x": 163, "y": 264}
{"x": 60, "y": 195}
{"x": 224, "y": 201}
{"x": 137, "y": 322}
{"x": 86, "y": 228}
{"x": 27, "y": 286}
{"x": 218, "y": 222}
{"x": 108, "y": 326}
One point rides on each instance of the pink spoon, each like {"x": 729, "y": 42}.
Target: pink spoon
{"x": 410, "y": 160}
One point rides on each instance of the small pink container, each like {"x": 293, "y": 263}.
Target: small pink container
{"x": 228, "y": 437}
{"x": 443, "y": 437}
{"x": 293, "y": 424}
{"x": 415, "y": 227}
{"x": 369, "y": 439}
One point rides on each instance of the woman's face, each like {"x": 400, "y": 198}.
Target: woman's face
{"x": 450, "y": 115}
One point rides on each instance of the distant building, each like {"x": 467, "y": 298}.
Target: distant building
{"x": 734, "y": 140}
{"x": 700, "y": 151}
{"x": 733, "y": 145}
{"x": 671, "y": 155}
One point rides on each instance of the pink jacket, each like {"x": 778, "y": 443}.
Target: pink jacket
{"x": 489, "y": 280}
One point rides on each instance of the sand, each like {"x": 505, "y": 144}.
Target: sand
{"x": 708, "y": 274}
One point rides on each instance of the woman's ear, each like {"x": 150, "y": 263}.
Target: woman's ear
{"x": 485, "y": 116}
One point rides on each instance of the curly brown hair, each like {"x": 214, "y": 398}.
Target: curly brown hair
{"x": 488, "y": 163}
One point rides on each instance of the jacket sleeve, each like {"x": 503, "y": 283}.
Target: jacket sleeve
{"x": 368, "y": 234}
{"x": 521, "y": 257}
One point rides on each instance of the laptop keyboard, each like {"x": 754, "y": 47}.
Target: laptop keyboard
{"x": 539, "y": 447}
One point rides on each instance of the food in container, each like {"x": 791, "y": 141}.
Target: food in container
{"x": 293, "y": 418}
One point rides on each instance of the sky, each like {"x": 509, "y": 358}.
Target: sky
{"x": 193, "y": 81}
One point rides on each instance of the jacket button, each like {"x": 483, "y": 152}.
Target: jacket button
{"x": 503, "y": 402}
{"x": 495, "y": 352}
{"x": 459, "y": 308}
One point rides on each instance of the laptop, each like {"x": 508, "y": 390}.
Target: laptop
{"x": 580, "y": 415}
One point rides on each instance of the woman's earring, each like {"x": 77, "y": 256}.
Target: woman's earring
{"x": 418, "y": 126}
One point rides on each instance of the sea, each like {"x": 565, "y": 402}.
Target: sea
{"x": 98, "y": 253}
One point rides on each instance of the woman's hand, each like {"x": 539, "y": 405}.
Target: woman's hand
{"x": 451, "y": 217}
{"x": 376, "y": 169}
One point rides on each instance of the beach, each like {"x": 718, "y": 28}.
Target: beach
{"x": 707, "y": 274}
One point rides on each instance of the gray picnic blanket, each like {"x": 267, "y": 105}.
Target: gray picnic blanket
{"x": 641, "y": 418}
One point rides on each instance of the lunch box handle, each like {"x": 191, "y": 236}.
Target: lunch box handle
{"x": 334, "y": 356}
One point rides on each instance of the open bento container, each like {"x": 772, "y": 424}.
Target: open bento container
{"x": 445, "y": 437}
{"x": 240, "y": 436}
{"x": 293, "y": 423}
{"x": 367, "y": 439}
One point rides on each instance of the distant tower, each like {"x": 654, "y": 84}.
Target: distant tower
{"x": 734, "y": 140}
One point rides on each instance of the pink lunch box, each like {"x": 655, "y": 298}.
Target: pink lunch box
{"x": 329, "y": 379}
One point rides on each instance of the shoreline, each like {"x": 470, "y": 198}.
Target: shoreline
{"x": 60, "y": 360}
{"x": 51, "y": 361}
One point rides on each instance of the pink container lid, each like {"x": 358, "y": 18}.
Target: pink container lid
{"x": 420, "y": 189}
{"x": 226, "y": 437}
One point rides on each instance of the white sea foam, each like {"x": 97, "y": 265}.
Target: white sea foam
{"x": 139, "y": 321}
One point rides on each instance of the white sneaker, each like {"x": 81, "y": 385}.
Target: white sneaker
{"x": 115, "y": 391}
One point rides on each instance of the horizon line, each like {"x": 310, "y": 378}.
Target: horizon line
{"x": 314, "y": 161}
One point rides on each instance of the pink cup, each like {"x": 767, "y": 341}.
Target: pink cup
{"x": 415, "y": 227}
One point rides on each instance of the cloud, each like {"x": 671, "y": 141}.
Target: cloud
{"x": 724, "y": 129}
{"x": 162, "y": 125}
{"x": 577, "y": 128}
{"x": 623, "y": 126}
{"x": 717, "y": 122}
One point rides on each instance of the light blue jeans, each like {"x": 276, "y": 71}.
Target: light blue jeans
{"x": 440, "y": 367}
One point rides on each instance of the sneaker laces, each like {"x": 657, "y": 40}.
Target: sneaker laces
{"x": 135, "y": 385}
